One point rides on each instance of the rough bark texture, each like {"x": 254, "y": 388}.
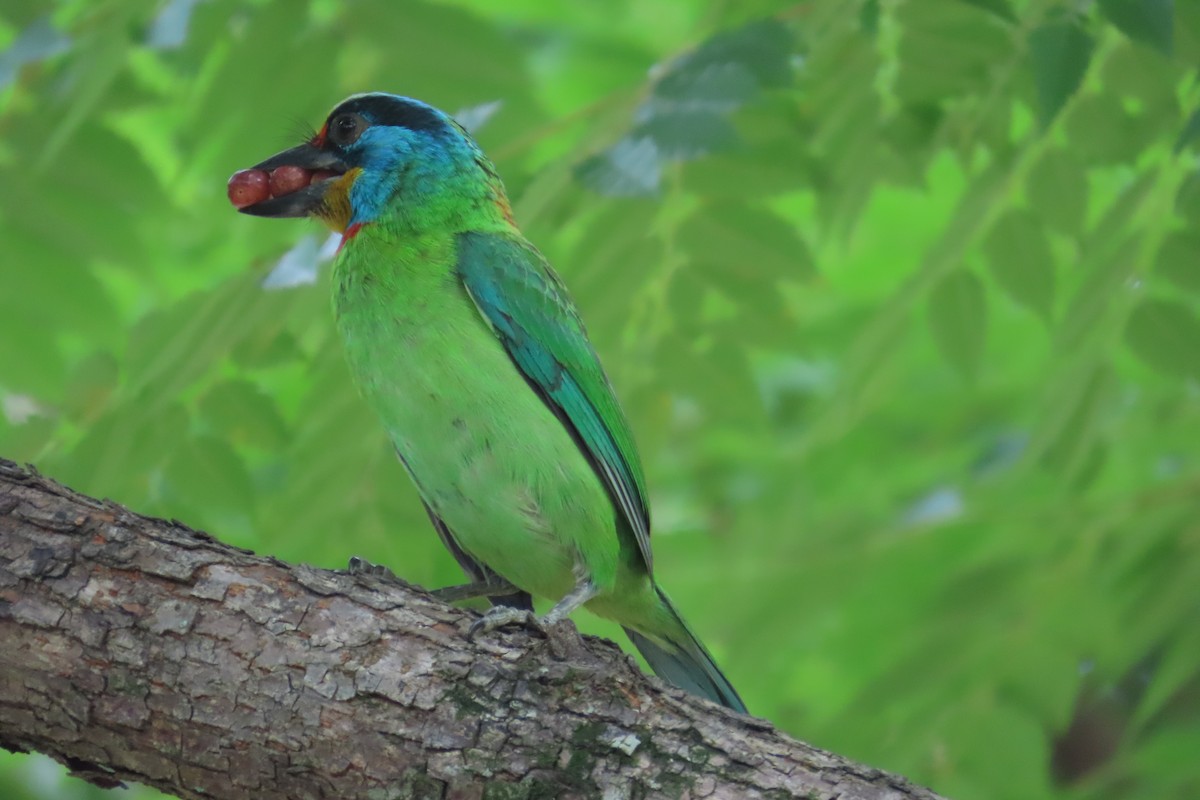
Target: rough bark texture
{"x": 136, "y": 649}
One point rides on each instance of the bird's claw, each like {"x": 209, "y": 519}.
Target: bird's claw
{"x": 502, "y": 616}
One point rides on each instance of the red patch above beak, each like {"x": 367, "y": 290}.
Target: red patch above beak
{"x": 319, "y": 139}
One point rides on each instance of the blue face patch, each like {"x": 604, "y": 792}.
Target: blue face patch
{"x": 411, "y": 165}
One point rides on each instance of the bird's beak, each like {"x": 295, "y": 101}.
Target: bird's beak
{"x": 308, "y": 198}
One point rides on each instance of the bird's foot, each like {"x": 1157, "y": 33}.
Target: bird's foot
{"x": 502, "y": 616}
{"x": 360, "y": 566}
{"x": 584, "y": 591}
{"x": 555, "y": 626}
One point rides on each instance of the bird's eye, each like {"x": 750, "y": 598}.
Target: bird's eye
{"x": 344, "y": 129}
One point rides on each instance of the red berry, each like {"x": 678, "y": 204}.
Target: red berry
{"x": 324, "y": 175}
{"x": 285, "y": 180}
{"x": 248, "y": 186}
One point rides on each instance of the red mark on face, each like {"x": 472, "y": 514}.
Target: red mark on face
{"x": 349, "y": 234}
{"x": 502, "y": 203}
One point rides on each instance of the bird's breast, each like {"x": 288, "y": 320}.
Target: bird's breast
{"x": 486, "y": 453}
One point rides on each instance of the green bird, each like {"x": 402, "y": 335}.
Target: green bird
{"x": 466, "y": 343}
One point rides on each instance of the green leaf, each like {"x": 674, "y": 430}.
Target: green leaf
{"x": 759, "y": 171}
{"x": 1146, "y": 83}
{"x": 984, "y": 727}
{"x": 747, "y": 241}
{"x": 630, "y": 168}
{"x": 393, "y": 39}
{"x": 611, "y": 263}
{"x": 1059, "y": 52}
{"x": 1148, "y": 21}
{"x": 208, "y": 476}
{"x": 31, "y": 364}
{"x": 1190, "y": 131}
{"x": 1187, "y": 200}
{"x": 716, "y": 379}
{"x": 763, "y": 318}
{"x": 1157, "y": 762}
{"x": 169, "y": 28}
{"x": 720, "y": 86}
{"x": 38, "y": 41}
{"x": 684, "y": 117}
{"x": 26, "y": 441}
{"x": 687, "y": 135}
{"x": 728, "y": 68}
{"x": 1045, "y": 679}
{"x": 756, "y": 311}
{"x": 1166, "y": 335}
{"x": 1058, "y": 190}
{"x": 1001, "y": 8}
{"x": 958, "y": 317}
{"x": 1178, "y": 259}
{"x": 868, "y": 17}
{"x": 90, "y": 385}
{"x": 1019, "y": 256}
{"x": 121, "y": 451}
{"x": 240, "y": 412}
{"x": 1178, "y": 667}
{"x": 1114, "y": 229}
{"x": 231, "y": 131}
{"x": 46, "y": 275}
{"x": 685, "y": 301}
{"x": 266, "y": 346}
{"x": 86, "y": 206}
{"x": 914, "y": 126}
{"x": 947, "y": 50}
{"x": 94, "y": 64}
{"x": 1101, "y": 131}
{"x": 172, "y": 347}
{"x": 1073, "y": 451}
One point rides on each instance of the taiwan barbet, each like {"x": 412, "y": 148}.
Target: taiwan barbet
{"x": 466, "y": 343}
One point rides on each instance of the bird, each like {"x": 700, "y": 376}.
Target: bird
{"x": 466, "y": 343}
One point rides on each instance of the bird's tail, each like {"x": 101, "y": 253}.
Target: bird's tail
{"x": 680, "y": 659}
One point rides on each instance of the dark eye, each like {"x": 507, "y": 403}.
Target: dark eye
{"x": 344, "y": 129}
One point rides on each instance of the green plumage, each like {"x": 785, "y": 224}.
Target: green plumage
{"x": 468, "y": 346}
{"x": 489, "y": 457}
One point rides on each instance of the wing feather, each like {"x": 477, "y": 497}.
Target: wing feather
{"x": 529, "y": 310}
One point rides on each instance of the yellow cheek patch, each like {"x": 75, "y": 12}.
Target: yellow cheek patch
{"x": 335, "y": 211}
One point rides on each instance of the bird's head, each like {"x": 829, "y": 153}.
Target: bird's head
{"x": 378, "y": 156}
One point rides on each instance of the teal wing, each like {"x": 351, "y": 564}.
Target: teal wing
{"x": 529, "y": 309}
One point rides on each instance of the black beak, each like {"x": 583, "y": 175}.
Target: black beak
{"x": 304, "y": 155}
{"x": 304, "y": 201}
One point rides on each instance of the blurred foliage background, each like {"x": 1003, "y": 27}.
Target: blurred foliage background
{"x": 902, "y": 298}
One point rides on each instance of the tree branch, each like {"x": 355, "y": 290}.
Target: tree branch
{"x": 137, "y": 649}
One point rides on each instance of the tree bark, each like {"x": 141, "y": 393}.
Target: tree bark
{"x": 136, "y": 649}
